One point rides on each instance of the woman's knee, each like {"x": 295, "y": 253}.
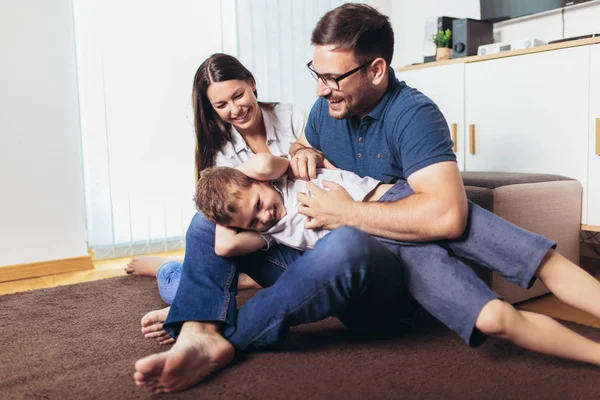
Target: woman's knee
{"x": 497, "y": 318}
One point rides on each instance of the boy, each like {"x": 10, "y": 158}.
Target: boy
{"x": 257, "y": 211}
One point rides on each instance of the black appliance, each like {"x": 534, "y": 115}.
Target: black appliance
{"x": 500, "y": 10}
{"x": 468, "y": 34}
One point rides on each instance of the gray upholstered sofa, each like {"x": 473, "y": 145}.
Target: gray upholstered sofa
{"x": 549, "y": 205}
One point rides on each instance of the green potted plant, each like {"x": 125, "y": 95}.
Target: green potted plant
{"x": 443, "y": 42}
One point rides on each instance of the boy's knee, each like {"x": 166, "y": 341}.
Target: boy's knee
{"x": 496, "y": 318}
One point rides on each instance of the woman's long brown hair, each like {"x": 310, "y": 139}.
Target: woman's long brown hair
{"x": 212, "y": 133}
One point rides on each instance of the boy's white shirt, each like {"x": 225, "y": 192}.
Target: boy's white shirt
{"x": 290, "y": 230}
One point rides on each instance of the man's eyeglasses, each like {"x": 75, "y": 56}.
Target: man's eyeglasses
{"x": 330, "y": 81}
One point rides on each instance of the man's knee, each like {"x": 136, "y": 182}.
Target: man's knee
{"x": 496, "y": 318}
{"x": 345, "y": 240}
{"x": 343, "y": 250}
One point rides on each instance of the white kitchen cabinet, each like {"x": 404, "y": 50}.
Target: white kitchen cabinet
{"x": 593, "y": 199}
{"x": 530, "y": 114}
{"x": 445, "y": 85}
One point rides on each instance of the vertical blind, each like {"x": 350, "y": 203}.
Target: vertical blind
{"x": 136, "y": 63}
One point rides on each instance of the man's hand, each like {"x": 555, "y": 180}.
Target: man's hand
{"x": 305, "y": 162}
{"x": 328, "y": 209}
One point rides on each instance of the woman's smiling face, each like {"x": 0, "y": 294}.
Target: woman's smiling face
{"x": 235, "y": 102}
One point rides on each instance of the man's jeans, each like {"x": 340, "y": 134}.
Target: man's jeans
{"x": 348, "y": 274}
{"x": 370, "y": 284}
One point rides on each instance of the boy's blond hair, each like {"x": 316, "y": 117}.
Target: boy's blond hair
{"x": 219, "y": 191}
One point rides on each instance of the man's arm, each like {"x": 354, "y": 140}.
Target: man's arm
{"x": 264, "y": 167}
{"x": 437, "y": 210}
{"x": 230, "y": 243}
{"x": 306, "y": 159}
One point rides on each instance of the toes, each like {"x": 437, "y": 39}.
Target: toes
{"x": 157, "y": 334}
{"x": 151, "y": 318}
{"x": 150, "y": 366}
{"x": 152, "y": 328}
{"x": 167, "y": 341}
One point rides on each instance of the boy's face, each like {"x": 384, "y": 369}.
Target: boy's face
{"x": 260, "y": 207}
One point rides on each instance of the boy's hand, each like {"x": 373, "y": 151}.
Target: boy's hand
{"x": 327, "y": 209}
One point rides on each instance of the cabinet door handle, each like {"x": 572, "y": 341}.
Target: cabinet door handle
{"x": 598, "y": 136}
{"x": 454, "y": 130}
{"x": 471, "y": 138}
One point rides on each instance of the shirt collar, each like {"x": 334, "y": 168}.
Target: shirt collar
{"x": 269, "y": 125}
{"x": 376, "y": 112}
{"x": 237, "y": 140}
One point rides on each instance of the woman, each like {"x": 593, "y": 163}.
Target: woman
{"x": 231, "y": 125}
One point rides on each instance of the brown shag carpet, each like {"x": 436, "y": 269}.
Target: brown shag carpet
{"x": 81, "y": 341}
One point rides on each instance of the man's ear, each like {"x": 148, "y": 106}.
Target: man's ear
{"x": 378, "y": 70}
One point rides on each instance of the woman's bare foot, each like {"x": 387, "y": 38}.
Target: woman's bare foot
{"x": 199, "y": 351}
{"x": 152, "y": 326}
{"x": 245, "y": 283}
{"x": 145, "y": 265}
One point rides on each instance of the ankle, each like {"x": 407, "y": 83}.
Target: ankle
{"x": 201, "y": 328}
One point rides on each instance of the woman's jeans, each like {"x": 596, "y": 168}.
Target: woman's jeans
{"x": 371, "y": 284}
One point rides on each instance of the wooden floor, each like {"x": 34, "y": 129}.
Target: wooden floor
{"x": 103, "y": 269}
{"x": 548, "y": 305}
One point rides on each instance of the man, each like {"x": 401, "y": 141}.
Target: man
{"x": 368, "y": 122}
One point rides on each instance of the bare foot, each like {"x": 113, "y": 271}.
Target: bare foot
{"x": 245, "y": 283}
{"x": 145, "y": 265}
{"x": 199, "y": 351}
{"x": 152, "y": 326}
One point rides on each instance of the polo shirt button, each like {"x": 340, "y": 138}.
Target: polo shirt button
{"x": 359, "y": 155}
{"x": 360, "y": 139}
{"x": 378, "y": 155}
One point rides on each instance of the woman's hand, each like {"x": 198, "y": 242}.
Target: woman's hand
{"x": 305, "y": 162}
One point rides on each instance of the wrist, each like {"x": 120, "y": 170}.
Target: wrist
{"x": 311, "y": 149}
{"x": 295, "y": 149}
{"x": 350, "y": 216}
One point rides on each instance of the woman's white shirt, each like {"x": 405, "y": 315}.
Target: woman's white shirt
{"x": 284, "y": 124}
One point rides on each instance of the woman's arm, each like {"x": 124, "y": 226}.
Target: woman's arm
{"x": 231, "y": 243}
{"x": 265, "y": 167}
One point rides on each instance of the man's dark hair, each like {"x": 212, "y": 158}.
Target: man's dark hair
{"x": 357, "y": 27}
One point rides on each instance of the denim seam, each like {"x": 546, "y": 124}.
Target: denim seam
{"x": 223, "y": 315}
{"x": 323, "y": 288}
{"x": 275, "y": 261}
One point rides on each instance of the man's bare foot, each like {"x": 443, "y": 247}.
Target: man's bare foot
{"x": 152, "y": 326}
{"x": 145, "y": 265}
{"x": 199, "y": 351}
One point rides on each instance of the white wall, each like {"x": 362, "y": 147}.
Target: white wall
{"x": 408, "y": 21}
{"x": 42, "y": 205}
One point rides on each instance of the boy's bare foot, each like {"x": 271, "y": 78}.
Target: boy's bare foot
{"x": 152, "y": 326}
{"x": 199, "y": 351}
{"x": 145, "y": 265}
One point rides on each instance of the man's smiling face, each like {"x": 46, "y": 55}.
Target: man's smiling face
{"x": 351, "y": 99}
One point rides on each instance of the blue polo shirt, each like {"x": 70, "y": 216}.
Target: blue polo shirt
{"x": 403, "y": 133}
